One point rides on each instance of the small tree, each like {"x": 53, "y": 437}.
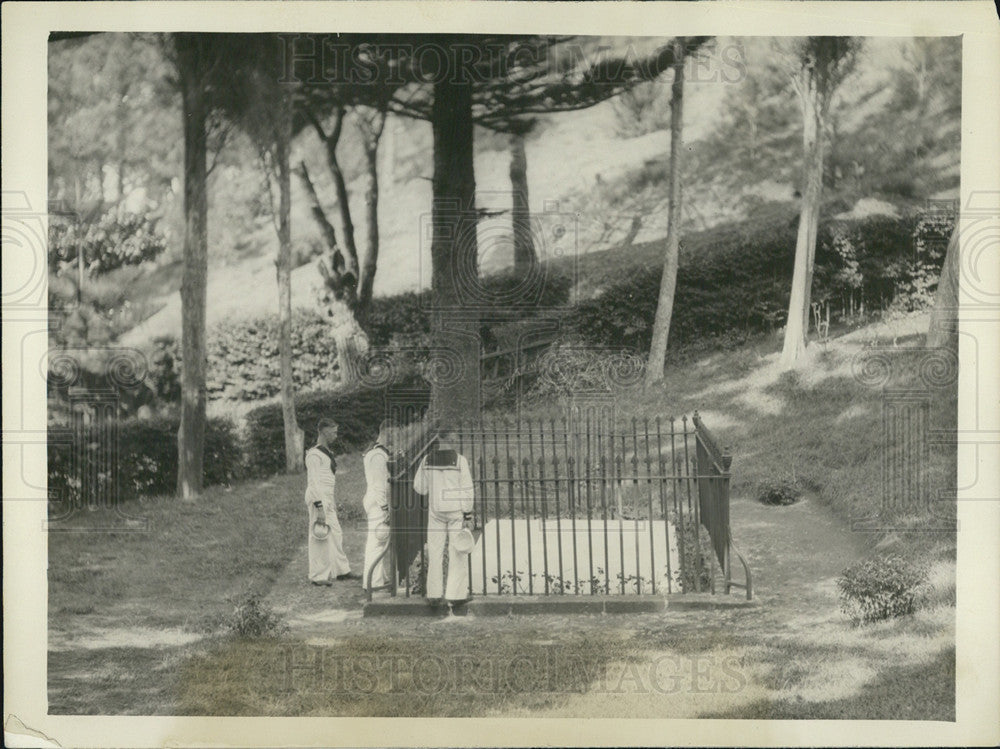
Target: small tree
{"x": 525, "y": 255}
{"x": 671, "y": 259}
{"x": 821, "y": 64}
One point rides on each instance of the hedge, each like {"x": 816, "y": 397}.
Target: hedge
{"x": 357, "y": 411}
{"x": 243, "y": 357}
{"x": 735, "y": 279}
{"x": 147, "y": 463}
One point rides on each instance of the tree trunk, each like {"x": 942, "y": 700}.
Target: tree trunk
{"x": 668, "y": 282}
{"x": 524, "y": 244}
{"x": 294, "y": 452}
{"x": 797, "y": 325}
{"x": 191, "y": 434}
{"x": 454, "y": 251}
{"x": 121, "y": 144}
{"x": 330, "y": 141}
{"x": 943, "y": 330}
{"x": 367, "y": 281}
{"x": 325, "y": 227}
{"x": 349, "y": 338}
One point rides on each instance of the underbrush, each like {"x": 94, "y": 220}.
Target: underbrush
{"x": 883, "y": 587}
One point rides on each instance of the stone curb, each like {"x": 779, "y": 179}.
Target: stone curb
{"x": 511, "y": 605}
{"x": 507, "y": 606}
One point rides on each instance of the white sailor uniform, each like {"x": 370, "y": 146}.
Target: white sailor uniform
{"x": 326, "y": 558}
{"x": 444, "y": 475}
{"x": 376, "y": 504}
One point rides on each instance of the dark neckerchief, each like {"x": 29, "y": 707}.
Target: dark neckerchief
{"x": 442, "y": 459}
{"x": 326, "y": 451}
{"x": 378, "y": 446}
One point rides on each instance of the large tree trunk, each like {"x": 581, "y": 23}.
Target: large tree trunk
{"x": 454, "y": 251}
{"x": 805, "y": 244}
{"x": 294, "y": 447}
{"x": 524, "y": 243}
{"x": 943, "y": 330}
{"x": 191, "y": 434}
{"x": 367, "y": 281}
{"x": 668, "y": 282}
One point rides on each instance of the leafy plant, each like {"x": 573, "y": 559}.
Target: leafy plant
{"x": 114, "y": 240}
{"x": 695, "y": 550}
{"x": 880, "y": 588}
{"x": 783, "y": 492}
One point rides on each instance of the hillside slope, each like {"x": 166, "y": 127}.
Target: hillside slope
{"x": 588, "y": 183}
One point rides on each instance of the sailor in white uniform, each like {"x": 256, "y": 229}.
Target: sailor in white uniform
{"x": 444, "y": 475}
{"x": 327, "y": 560}
{"x": 376, "y": 504}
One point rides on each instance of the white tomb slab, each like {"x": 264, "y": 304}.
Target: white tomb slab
{"x": 607, "y": 547}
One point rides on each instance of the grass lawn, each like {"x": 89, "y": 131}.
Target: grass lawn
{"x": 136, "y": 620}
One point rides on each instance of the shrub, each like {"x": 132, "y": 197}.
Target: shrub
{"x": 253, "y": 617}
{"x": 785, "y": 492}
{"x": 164, "y": 369}
{"x": 147, "y": 461}
{"x": 695, "y": 555}
{"x": 880, "y": 588}
{"x": 111, "y": 241}
{"x": 243, "y": 357}
{"x": 357, "y": 411}
{"x": 406, "y": 318}
{"x": 244, "y": 363}
{"x": 729, "y": 278}
{"x": 564, "y": 370}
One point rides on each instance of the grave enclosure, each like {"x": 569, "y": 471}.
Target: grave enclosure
{"x": 587, "y": 505}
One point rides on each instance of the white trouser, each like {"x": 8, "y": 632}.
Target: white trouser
{"x": 439, "y": 528}
{"x": 327, "y": 558}
{"x": 374, "y": 547}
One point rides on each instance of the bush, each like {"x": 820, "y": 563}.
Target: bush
{"x": 785, "y": 492}
{"x": 564, "y": 370}
{"x": 165, "y": 369}
{"x": 725, "y": 281}
{"x": 253, "y": 617}
{"x": 357, "y": 410}
{"x": 405, "y": 317}
{"x": 881, "y": 588}
{"x": 147, "y": 461}
{"x": 695, "y": 555}
{"x": 244, "y": 362}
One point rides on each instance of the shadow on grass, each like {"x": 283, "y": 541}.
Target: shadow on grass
{"x": 921, "y": 692}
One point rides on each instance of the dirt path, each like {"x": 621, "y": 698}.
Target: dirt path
{"x": 310, "y": 609}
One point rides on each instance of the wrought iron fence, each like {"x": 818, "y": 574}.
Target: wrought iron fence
{"x": 583, "y": 505}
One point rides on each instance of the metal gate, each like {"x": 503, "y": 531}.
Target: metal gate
{"x": 583, "y": 505}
